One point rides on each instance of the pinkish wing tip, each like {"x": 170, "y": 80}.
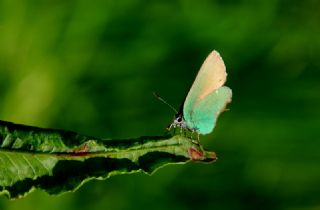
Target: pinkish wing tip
{"x": 215, "y": 53}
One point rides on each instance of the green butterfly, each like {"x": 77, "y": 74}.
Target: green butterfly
{"x": 206, "y": 99}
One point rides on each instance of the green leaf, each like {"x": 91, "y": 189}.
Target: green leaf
{"x": 58, "y": 161}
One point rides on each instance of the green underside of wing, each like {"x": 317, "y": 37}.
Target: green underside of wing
{"x": 58, "y": 161}
{"x": 202, "y": 115}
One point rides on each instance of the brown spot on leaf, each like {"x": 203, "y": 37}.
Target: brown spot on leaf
{"x": 79, "y": 154}
{"x": 195, "y": 154}
{"x": 84, "y": 148}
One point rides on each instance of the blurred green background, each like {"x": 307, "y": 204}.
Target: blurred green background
{"x": 91, "y": 67}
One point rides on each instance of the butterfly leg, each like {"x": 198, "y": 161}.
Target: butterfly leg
{"x": 181, "y": 130}
{"x": 192, "y": 132}
{"x": 168, "y": 129}
{"x": 174, "y": 129}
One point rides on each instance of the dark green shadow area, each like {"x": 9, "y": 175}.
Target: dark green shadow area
{"x": 67, "y": 175}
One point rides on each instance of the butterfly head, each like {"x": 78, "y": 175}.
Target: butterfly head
{"x": 178, "y": 121}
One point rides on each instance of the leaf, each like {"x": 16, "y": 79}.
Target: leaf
{"x": 59, "y": 161}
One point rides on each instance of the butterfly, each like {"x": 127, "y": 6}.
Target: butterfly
{"x": 206, "y": 99}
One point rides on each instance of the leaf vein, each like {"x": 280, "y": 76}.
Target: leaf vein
{"x": 42, "y": 164}
{"x": 34, "y": 171}
{"x": 14, "y": 164}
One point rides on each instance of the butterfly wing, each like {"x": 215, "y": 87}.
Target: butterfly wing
{"x": 205, "y": 113}
{"x": 203, "y": 95}
{"x": 210, "y": 77}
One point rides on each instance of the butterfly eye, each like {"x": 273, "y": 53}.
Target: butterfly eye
{"x": 179, "y": 119}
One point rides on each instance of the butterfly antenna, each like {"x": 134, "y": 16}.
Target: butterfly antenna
{"x": 163, "y": 101}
